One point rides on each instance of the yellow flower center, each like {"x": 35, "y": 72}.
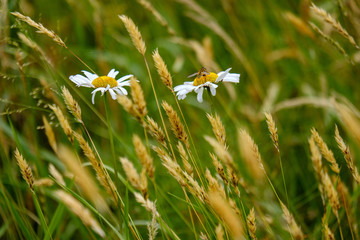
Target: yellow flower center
{"x": 211, "y": 77}
{"x": 103, "y": 81}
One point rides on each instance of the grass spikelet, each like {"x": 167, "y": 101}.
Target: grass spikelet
{"x": 147, "y": 204}
{"x": 63, "y": 122}
{"x": 131, "y": 173}
{"x": 335, "y": 24}
{"x": 185, "y": 159}
{"x": 82, "y": 178}
{"x": 43, "y": 182}
{"x": 351, "y": 122}
{"x": 221, "y": 152}
{"x": 143, "y": 155}
{"x": 326, "y": 152}
{"x": 138, "y": 98}
{"x": 176, "y": 125}
{"x": 317, "y": 164}
{"x": 156, "y": 131}
{"x": 162, "y": 70}
{"x": 71, "y": 104}
{"x": 227, "y": 214}
{"x": 294, "y": 229}
{"x": 143, "y": 184}
{"x": 101, "y": 173}
{"x": 218, "y": 128}
{"x": 219, "y": 232}
{"x": 25, "y": 169}
{"x": 250, "y": 221}
{"x": 251, "y": 154}
{"x": 214, "y": 185}
{"x": 331, "y": 193}
{"x": 134, "y": 34}
{"x": 273, "y": 130}
{"x": 328, "y": 235}
{"x": 348, "y": 158}
{"x": 299, "y": 24}
{"x": 41, "y": 29}
{"x": 56, "y": 174}
{"x": 219, "y": 168}
{"x": 128, "y": 105}
{"x": 152, "y": 226}
{"x": 49, "y": 134}
{"x": 79, "y": 210}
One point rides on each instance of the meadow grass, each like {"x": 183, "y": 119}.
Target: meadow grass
{"x": 272, "y": 157}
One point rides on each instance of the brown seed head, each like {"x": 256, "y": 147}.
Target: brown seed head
{"x": 155, "y": 130}
{"x": 71, "y": 104}
{"x": 134, "y": 34}
{"x": 273, "y": 130}
{"x": 162, "y": 70}
{"x": 25, "y": 169}
{"x": 294, "y": 229}
{"x": 63, "y": 122}
{"x": 138, "y": 98}
{"x": 143, "y": 155}
{"x": 250, "y": 221}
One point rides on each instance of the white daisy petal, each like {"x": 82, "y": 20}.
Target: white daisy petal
{"x": 81, "y": 81}
{"x": 199, "y": 92}
{"x": 126, "y": 83}
{"x": 113, "y": 73}
{"x": 232, "y": 77}
{"x": 221, "y": 75}
{"x": 112, "y": 93}
{"x": 90, "y": 76}
{"x": 124, "y": 78}
{"x": 93, "y": 94}
{"x": 213, "y": 90}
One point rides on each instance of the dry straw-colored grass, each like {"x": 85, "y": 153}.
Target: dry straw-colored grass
{"x": 273, "y": 130}
{"x": 134, "y": 34}
{"x": 56, "y": 175}
{"x": 64, "y": 123}
{"x": 185, "y": 159}
{"x": 219, "y": 232}
{"x": 251, "y": 224}
{"x": 49, "y": 134}
{"x": 155, "y": 130}
{"x": 79, "y": 210}
{"x": 162, "y": 70}
{"x": 137, "y": 95}
{"x": 218, "y": 128}
{"x": 71, "y": 104}
{"x": 25, "y": 169}
{"x": 144, "y": 156}
{"x": 214, "y": 185}
{"x": 219, "y": 168}
{"x": 294, "y": 228}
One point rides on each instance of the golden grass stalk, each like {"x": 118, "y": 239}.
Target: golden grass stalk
{"x": 221, "y": 152}
{"x": 152, "y": 226}
{"x": 227, "y": 214}
{"x": 79, "y": 210}
{"x": 351, "y": 122}
{"x": 335, "y": 24}
{"x": 326, "y": 152}
{"x": 317, "y": 164}
{"x": 185, "y": 159}
{"x": 43, "y": 182}
{"x": 134, "y": 34}
{"x": 138, "y": 98}
{"x": 131, "y": 173}
{"x": 331, "y": 193}
{"x": 251, "y": 224}
{"x": 219, "y": 168}
{"x": 143, "y": 155}
{"x": 162, "y": 70}
{"x": 273, "y": 130}
{"x": 218, "y": 128}
{"x": 176, "y": 125}
{"x": 63, "y": 122}
{"x": 49, "y": 134}
{"x": 71, "y": 104}
{"x": 143, "y": 185}
{"x": 294, "y": 229}
{"x": 82, "y": 178}
{"x": 250, "y": 152}
{"x": 219, "y": 232}
{"x": 25, "y": 169}
{"x": 155, "y": 130}
{"x": 347, "y": 155}
{"x": 214, "y": 185}
{"x": 147, "y": 204}
{"x": 128, "y": 106}
{"x": 41, "y": 29}
{"x": 101, "y": 173}
{"x": 328, "y": 235}
{"x": 56, "y": 174}
{"x": 299, "y": 24}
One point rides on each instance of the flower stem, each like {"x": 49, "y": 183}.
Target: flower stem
{"x": 212, "y": 108}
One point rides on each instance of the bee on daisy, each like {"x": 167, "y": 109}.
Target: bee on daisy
{"x": 205, "y": 80}
{"x": 103, "y": 83}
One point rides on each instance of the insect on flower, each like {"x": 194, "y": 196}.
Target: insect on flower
{"x": 205, "y": 79}
{"x": 102, "y": 83}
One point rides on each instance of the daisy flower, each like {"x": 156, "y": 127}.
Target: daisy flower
{"x": 102, "y": 83}
{"x": 208, "y": 80}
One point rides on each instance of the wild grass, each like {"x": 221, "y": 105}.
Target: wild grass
{"x": 273, "y": 157}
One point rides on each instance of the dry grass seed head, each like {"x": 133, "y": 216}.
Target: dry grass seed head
{"x": 176, "y": 125}
{"x": 348, "y": 158}
{"x": 131, "y": 173}
{"x": 250, "y": 221}
{"x": 227, "y": 214}
{"x": 143, "y": 155}
{"x": 219, "y": 232}
{"x": 138, "y": 98}
{"x": 78, "y": 209}
{"x": 250, "y": 152}
{"x": 328, "y": 235}
{"x": 71, "y": 104}
{"x": 219, "y": 168}
{"x": 50, "y": 134}
{"x": 214, "y": 185}
{"x": 218, "y": 128}
{"x": 273, "y": 130}
{"x": 331, "y": 193}
{"x": 134, "y": 34}
{"x": 185, "y": 159}
{"x": 162, "y": 70}
{"x": 64, "y": 123}
{"x": 350, "y": 121}
{"x": 25, "y": 169}
{"x": 294, "y": 229}
{"x": 326, "y": 152}
{"x": 43, "y": 182}
{"x": 101, "y": 173}
{"x": 221, "y": 152}
{"x": 82, "y": 177}
{"x": 56, "y": 174}
{"x": 156, "y": 131}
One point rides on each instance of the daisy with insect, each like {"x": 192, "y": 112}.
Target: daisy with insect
{"x": 102, "y": 83}
{"x": 207, "y": 80}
